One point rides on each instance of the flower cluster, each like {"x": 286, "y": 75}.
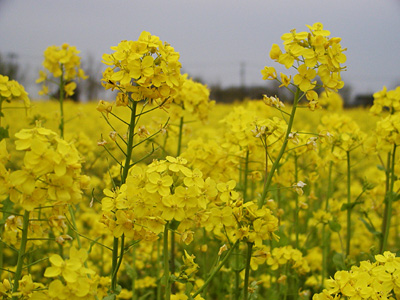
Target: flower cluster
{"x": 377, "y": 280}
{"x": 386, "y": 100}
{"x": 288, "y": 255}
{"x": 388, "y": 132}
{"x": 312, "y": 54}
{"x": 11, "y": 90}
{"x": 51, "y": 171}
{"x": 72, "y": 279}
{"x": 244, "y": 126}
{"x": 161, "y": 192}
{"x": 192, "y": 98}
{"x": 344, "y": 133}
{"x": 146, "y": 68}
{"x": 61, "y": 62}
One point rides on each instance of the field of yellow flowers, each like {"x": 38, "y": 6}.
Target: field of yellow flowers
{"x": 164, "y": 194}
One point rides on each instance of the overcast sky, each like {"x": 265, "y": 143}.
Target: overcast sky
{"x": 214, "y": 37}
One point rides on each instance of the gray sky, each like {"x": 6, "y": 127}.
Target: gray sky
{"x": 213, "y": 36}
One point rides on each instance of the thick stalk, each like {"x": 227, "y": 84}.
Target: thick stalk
{"x": 247, "y": 271}
{"x": 134, "y": 274}
{"x": 236, "y": 291}
{"x": 349, "y": 208}
{"x": 21, "y": 253}
{"x": 158, "y": 268}
{"x": 296, "y": 197}
{"x": 389, "y": 202}
{"x": 166, "y": 264}
{"x": 325, "y": 232}
{"x": 61, "y": 100}
{"x": 1, "y": 250}
{"x": 281, "y": 152}
{"x": 129, "y": 147}
{"x": 178, "y": 152}
{"x": 215, "y": 271}
{"x": 172, "y": 239}
{"x": 246, "y": 171}
{"x": 114, "y": 264}
{"x": 1, "y": 113}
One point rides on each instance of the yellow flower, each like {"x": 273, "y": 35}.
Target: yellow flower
{"x": 104, "y": 106}
{"x": 173, "y": 208}
{"x": 69, "y": 88}
{"x": 390, "y": 261}
{"x": 11, "y": 90}
{"x": 61, "y": 61}
{"x": 158, "y": 184}
{"x": 275, "y": 52}
{"x": 69, "y": 269}
{"x": 190, "y": 267}
{"x": 285, "y": 80}
{"x": 268, "y": 73}
{"x": 303, "y": 79}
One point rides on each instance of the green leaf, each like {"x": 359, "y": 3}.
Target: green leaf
{"x": 173, "y": 225}
{"x": 189, "y": 288}
{"x": 4, "y": 133}
{"x": 382, "y": 168}
{"x": 130, "y": 271}
{"x": 338, "y": 261}
{"x": 283, "y": 239}
{"x": 110, "y": 297}
{"x": 118, "y": 289}
{"x": 346, "y": 206}
{"x": 396, "y": 197}
{"x": 7, "y": 206}
{"x": 370, "y": 228}
{"x": 334, "y": 226}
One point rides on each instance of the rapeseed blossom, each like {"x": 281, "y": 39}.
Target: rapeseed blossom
{"x": 11, "y": 90}
{"x": 312, "y": 54}
{"x": 61, "y": 62}
{"x": 146, "y": 68}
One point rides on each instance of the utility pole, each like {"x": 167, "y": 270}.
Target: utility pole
{"x": 242, "y": 80}
{"x": 242, "y": 74}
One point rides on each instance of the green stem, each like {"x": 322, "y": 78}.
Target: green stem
{"x": 215, "y": 271}
{"x": 1, "y": 113}
{"x": 389, "y": 202}
{"x": 129, "y": 147}
{"x": 281, "y": 152}
{"x": 236, "y": 292}
{"x": 178, "y": 152}
{"x": 325, "y": 239}
{"x": 158, "y": 268}
{"x": 77, "y": 237}
{"x": 166, "y": 264}
{"x": 114, "y": 264}
{"x": 349, "y": 208}
{"x": 172, "y": 259}
{"x": 172, "y": 239}
{"x": 246, "y": 171}
{"x": 134, "y": 274}
{"x": 21, "y": 253}
{"x": 247, "y": 271}
{"x": 61, "y": 100}
{"x": 296, "y": 197}
{"x": 325, "y": 232}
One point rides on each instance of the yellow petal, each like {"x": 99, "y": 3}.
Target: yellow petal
{"x": 52, "y": 272}
{"x": 56, "y": 260}
{"x": 69, "y": 275}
